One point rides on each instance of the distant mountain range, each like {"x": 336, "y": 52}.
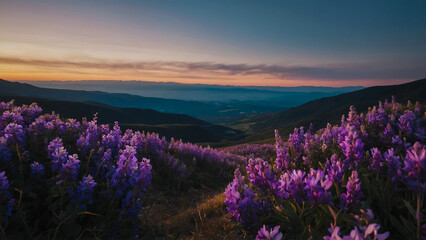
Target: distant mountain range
{"x": 286, "y": 96}
{"x": 179, "y": 126}
{"x": 230, "y": 103}
{"x": 216, "y": 112}
{"x": 328, "y": 110}
{"x": 128, "y": 110}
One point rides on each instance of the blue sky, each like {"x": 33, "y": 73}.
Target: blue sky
{"x": 243, "y": 42}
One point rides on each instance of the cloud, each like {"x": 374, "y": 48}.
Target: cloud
{"x": 205, "y": 69}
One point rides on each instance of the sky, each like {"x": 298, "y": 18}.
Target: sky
{"x": 230, "y": 42}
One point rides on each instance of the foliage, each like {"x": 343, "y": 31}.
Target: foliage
{"x": 339, "y": 175}
{"x": 66, "y": 179}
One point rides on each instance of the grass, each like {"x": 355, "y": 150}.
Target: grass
{"x": 198, "y": 214}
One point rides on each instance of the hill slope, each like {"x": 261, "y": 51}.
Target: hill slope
{"x": 209, "y": 111}
{"x": 167, "y": 124}
{"x": 212, "y": 103}
{"x": 320, "y": 112}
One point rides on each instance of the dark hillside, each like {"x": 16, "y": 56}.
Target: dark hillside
{"x": 328, "y": 110}
{"x": 167, "y": 124}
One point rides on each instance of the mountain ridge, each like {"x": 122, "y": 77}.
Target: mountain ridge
{"x": 322, "y": 111}
{"x": 166, "y": 124}
{"x": 204, "y": 110}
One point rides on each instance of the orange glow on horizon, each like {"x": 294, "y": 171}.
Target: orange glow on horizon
{"x": 16, "y": 69}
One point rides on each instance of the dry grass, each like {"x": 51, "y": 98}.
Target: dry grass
{"x": 193, "y": 216}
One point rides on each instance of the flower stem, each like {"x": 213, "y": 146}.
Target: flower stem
{"x": 21, "y": 168}
{"x": 418, "y": 213}
{"x": 2, "y": 231}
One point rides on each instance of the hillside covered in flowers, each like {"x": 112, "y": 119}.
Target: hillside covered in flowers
{"x": 67, "y": 179}
{"x": 362, "y": 179}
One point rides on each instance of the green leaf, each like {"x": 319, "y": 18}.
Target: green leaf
{"x": 410, "y": 209}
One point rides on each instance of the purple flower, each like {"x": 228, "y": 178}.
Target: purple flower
{"x": 5, "y": 152}
{"x": 69, "y": 170}
{"x": 89, "y": 138}
{"x": 296, "y": 140}
{"x": 329, "y": 136}
{"x": 10, "y": 117}
{"x": 283, "y": 159}
{"x": 369, "y": 232}
{"x": 335, "y": 233}
{"x": 112, "y": 140}
{"x": 130, "y": 180}
{"x": 4, "y": 183}
{"x": 352, "y": 198}
{"x": 37, "y": 170}
{"x": 377, "y": 162}
{"x": 273, "y": 234}
{"x": 59, "y": 156}
{"x": 292, "y": 185}
{"x": 30, "y": 113}
{"x": 83, "y": 195}
{"x": 316, "y": 187}
{"x": 415, "y": 165}
{"x": 240, "y": 201}
{"x": 353, "y": 148}
{"x": 5, "y": 196}
{"x": 398, "y": 144}
{"x": 387, "y": 134}
{"x": 53, "y": 145}
{"x": 394, "y": 164}
{"x": 127, "y": 163}
{"x": 14, "y": 134}
{"x": 106, "y": 159}
{"x": 261, "y": 175}
{"x": 335, "y": 169}
{"x": 377, "y": 117}
{"x": 353, "y": 119}
{"x": 406, "y": 122}
{"x": 259, "y": 172}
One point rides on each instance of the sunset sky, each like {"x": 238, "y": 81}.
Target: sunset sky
{"x": 282, "y": 43}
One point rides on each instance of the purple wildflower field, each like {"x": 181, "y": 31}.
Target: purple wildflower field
{"x": 67, "y": 178}
{"x": 362, "y": 179}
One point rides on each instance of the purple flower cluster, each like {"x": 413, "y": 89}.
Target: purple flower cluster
{"x": 364, "y": 230}
{"x": 415, "y": 167}
{"x": 299, "y": 186}
{"x": 335, "y": 169}
{"x": 386, "y": 146}
{"x": 5, "y": 151}
{"x": 69, "y": 169}
{"x": 26, "y": 135}
{"x": 14, "y": 134}
{"x": 283, "y": 159}
{"x": 352, "y": 197}
{"x": 377, "y": 162}
{"x": 273, "y": 234}
{"x": 6, "y": 201}
{"x": 240, "y": 201}
{"x": 84, "y": 192}
{"x": 130, "y": 181}
{"x": 37, "y": 170}
{"x": 265, "y": 151}
{"x": 366, "y": 233}
{"x": 352, "y": 148}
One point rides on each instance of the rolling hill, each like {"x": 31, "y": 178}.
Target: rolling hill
{"x": 212, "y": 103}
{"x": 328, "y": 110}
{"x": 208, "y": 111}
{"x": 166, "y": 124}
